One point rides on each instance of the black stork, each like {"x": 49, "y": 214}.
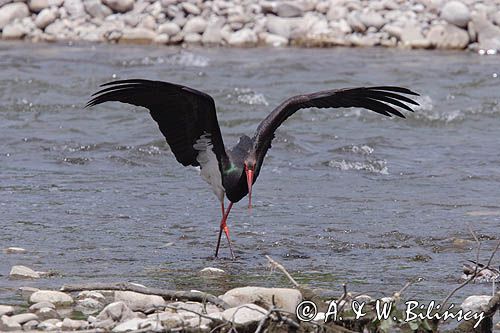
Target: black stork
{"x": 188, "y": 120}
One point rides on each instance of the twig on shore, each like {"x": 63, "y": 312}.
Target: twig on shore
{"x": 168, "y": 294}
{"x": 275, "y": 264}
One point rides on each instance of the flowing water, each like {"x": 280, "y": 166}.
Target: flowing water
{"x": 345, "y": 195}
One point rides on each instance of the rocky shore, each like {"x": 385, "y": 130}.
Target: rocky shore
{"x": 129, "y": 307}
{"x": 440, "y": 24}
{"x": 132, "y": 307}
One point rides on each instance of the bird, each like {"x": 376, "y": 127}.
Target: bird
{"x": 187, "y": 118}
{"x": 478, "y": 272}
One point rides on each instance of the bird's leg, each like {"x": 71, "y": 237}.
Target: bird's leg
{"x": 223, "y": 226}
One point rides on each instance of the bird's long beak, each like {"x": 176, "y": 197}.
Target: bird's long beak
{"x": 249, "y": 183}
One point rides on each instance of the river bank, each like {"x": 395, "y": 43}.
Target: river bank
{"x": 131, "y": 307}
{"x": 427, "y": 24}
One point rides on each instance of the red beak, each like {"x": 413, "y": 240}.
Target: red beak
{"x": 249, "y": 183}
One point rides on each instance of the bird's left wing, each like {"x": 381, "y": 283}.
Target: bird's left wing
{"x": 378, "y": 99}
{"x": 184, "y": 115}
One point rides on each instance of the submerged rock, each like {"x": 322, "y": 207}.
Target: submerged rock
{"x": 19, "y": 271}
{"x": 14, "y": 250}
{"x": 26, "y": 292}
{"x": 212, "y": 271}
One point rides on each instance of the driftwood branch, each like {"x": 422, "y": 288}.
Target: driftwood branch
{"x": 194, "y": 296}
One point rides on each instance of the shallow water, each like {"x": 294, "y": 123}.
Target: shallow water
{"x": 345, "y": 195}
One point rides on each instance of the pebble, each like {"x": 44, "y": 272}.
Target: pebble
{"x": 74, "y": 8}
{"x": 243, "y": 37}
{"x": 195, "y": 25}
{"x": 47, "y": 313}
{"x": 38, "y": 5}
{"x": 42, "y": 305}
{"x": 30, "y": 325}
{"x": 212, "y": 34}
{"x": 49, "y": 325}
{"x": 55, "y": 297}
{"x": 475, "y": 303}
{"x": 97, "y": 9}
{"x": 24, "y": 317}
{"x": 120, "y": 6}
{"x": 19, "y": 271}
{"x": 137, "y": 324}
{"x": 6, "y": 310}
{"x": 8, "y": 325}
{"x": 212, "y": 271}
{"x": 169, "y": 28}
{"x": 45, "y": 17}
{"x": 116, "y": 312}
{"x": 448, "y": 37}
{"x": 73, "y": 325}
{"x": 456, "y": 12}
{"x": 12, "y": 11}
{"x": 242, "y": 315}
{"x": 288, "y": 9}
{"x": 488, "y": 34}
{"x": 190, "y": 8}
{"x": 88, "y": 305}
{"x": 137, "y": 36}
{"x": 285, "y": 298}
{"x": 139, "y": 302}
{"x": 192, "y": 38}
{"x": 98, "y": 296}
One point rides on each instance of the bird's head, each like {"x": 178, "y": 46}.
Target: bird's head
{"x": 250, "y": 164}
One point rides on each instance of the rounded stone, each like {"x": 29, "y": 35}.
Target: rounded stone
{"x": 55, "y": 297}
{"x": 457, "y": 13}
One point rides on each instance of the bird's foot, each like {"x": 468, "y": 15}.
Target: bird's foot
{"x": 226, "y": 231}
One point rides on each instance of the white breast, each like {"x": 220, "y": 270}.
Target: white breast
{"x": 209, "y": 165}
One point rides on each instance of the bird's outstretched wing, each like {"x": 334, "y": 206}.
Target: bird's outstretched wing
{"x": 183, "y": 114}
{"x": 377, "y": 99}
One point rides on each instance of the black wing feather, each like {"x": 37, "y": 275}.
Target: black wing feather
{"x": 183, "y": 114}
{"x": 376, "y": 99}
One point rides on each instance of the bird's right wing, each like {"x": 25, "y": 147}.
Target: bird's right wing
{"x": 377, "y": 99}
{"x": 184, "y": 115}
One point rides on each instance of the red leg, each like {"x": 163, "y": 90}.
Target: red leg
{"x": 223, "y": 226}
